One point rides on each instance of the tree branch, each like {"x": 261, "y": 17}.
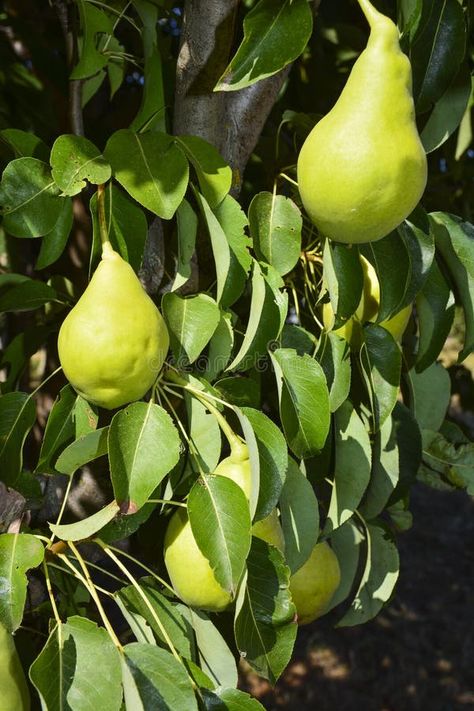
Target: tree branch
{"x": 68, "y": 21}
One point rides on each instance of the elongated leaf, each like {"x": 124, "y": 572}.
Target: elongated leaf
{"x": 17, "y": 417}
{"x": 79, "y": 668}
{"x": 143, "y": 448}
{"x": 268, "y": 310}
{"x": 160, "y": 682}
{"x": 352, "y": 466}
{"x": 74, "y": 159}
{"x": 435, "y": 306}
{"x": 231, "y": 700}
{"x": 381, "y": 363}
{"x": 275, "y": 226}
{"x": 126, "y": 223}
{"x": 151, "y": 167}
{"x": 17, "y": 354}
{"x": 448, "y": 112}
{"x": 272, "y": 459}
{"x": 265, "y": 627}
{"x": 333, "y": 355}
{"x": 86, "y": 527}
{"x": 304, "y": 401}
{"x": 60, "y": 430}
{"x": 215, "y": 657}
{"x": 28, "y": 296}
{"x": 299, "y": 517}
{"x": 455, "y": 241}
{"x": 220, "y": 347}
{"x": 229, "y": 248}
{"x": 213, "y": 173}
{"x": 19, "y": 552}
{"x": 430, "y": 393}
{"x": 24, "y": 144}
{"x": 191, "y": 322}
{"x": 85, "y": 449}
{"x": 343, "y": 278}
{"x": 378, "y": 579}
{"x": 274, "y": 36}
{"x": 152, "y": 111}
{"x": 54, "y": 242}
{"x": 346, "y": 542}
{"x": 94, "y": 23}
{"x": 187, "y": 230}
{"x": 220, "y": 521}
{"x": 205, "y": 434}
{"x": 163, "y": 617}
{"x": 29, "y": 198}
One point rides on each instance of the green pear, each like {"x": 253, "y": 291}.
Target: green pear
{"x": 269, "y": 530}
{"x": 14, "y": 694}
{"x": 190, "y": 573}
{"x": 313, "y": 586}
{"x": 114, "y": 341}
{"x": 237, "y": 467}
{"x": 367, "y": 310}
{"x": 362, "y": 170}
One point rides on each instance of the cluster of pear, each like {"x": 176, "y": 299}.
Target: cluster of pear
{"x": 367, "y": 310}
{"x": 312, "y": 586}
{"x": 362, "y": 170}
{"x": 114, "y": 341}
{"x": 14, "y": 694}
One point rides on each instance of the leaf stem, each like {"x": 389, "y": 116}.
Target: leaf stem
{"x": 142, "y": 565}
{"x": 62, "y": 509}
{"x": 104, "y": 236}
{"x": 50, "y": 593}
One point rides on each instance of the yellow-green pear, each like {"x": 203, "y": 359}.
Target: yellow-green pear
{"x": 237, "y": 467}
{"x": 362, "y": 170}
{"x": 191, "y": 575}
{"x": 269, "y": 530}
{"x": 312, "y": 586}
{"x": 14, "y": 694}
{"x": 114, "y": 341}
{"x": 367, "y": 310}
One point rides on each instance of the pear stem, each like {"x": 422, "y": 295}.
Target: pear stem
{"x": 104, "y": 236}
{"x": 372, "y": 15}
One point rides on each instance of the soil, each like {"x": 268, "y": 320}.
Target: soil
{"x": 418, "y": 654}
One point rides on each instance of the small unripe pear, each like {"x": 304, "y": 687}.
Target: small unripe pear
{"x": 313, "y": 586}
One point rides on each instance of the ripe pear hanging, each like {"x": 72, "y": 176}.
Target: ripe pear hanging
{"x": 362, "y": 169}
{"x": 114, "y": 341}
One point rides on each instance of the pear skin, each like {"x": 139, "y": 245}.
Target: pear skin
{"x": 114, "y": 341}
{"x": 362, "y": 170}
{"x": 313, "y": 586}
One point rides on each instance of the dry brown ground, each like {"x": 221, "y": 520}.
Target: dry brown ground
{"x": 418, "y": 655}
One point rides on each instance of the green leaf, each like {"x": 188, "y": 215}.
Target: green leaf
{"x": 152, "y": 111}
{"x": 346, "y": 542}
{"x": 231, "y": 700}
{"x": 430, "y": 393}
{"x": 229, "y": 247}
{"x": 204, "y": 433}
{"x": 333, "y": 355}
{"x": 274, "y": 36}
{"x": 220, "y": 521}
{"x": 28, "y": 296}
{"x": 158, "y": 681}
{"x": 437, "y": 51}
{"x": 19, "y": 552}
{"x": 265, "y": 627}
{"x": 455, "y": 240}
{"x": 272, "y": 460}
{"x": 24, "y": 144}
{"x": 17, "y": 417}
{"x": 435, "y": 307}
{"x": 381, "y": 363}
{"x": 29, "y": 198}
{"x": 220, "y": 347}
{"x": 343, "y": 278}
{"x": 191, "y": 323}
{"x": 213, "y": 173}
{"x": 85, "y": 449}
{"x": 299, "y": 517}
{"x": 187, "y": 223}
{"x": 268, "y": 309}
{"x": 143, "y": 448}
{"x": 214, "y": 656}
{"x": 74, "y": 159}
{"x": 378, "y": 579}
{"x": 453, "y": 461}
{"x": 127, "y": 228}
{"x": 352, "y": 467}
{"x": 299, "y": 339}
{"x": 448, "y": 111}
{"x": 54, "y": 242}
{"x": 304, "y": 401}
{"x": 86, "y": 527}
{"x": 61, "y": 429}
{"x": 94, "y": 24}
{"x": 275, "y": 226}
{"x": 151, "y": 168}
{"x": 17, "y": 354}
{"x": 160, "y": 614}
{"x": 78, "y": 668}
{"x": 124, "y": 525}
